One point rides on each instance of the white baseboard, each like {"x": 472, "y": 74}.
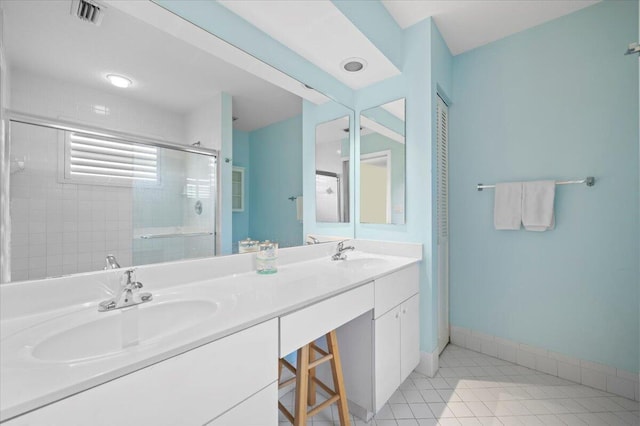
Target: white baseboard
{"x": 359, "y": 411}
{"x": 428, "y": 363}
{"x": 592, "y": 374}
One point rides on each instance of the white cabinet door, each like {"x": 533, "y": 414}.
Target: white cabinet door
{"x": 409, "y": 336}
{"x": 392, "y": 289}
{"x": 387, "y": 356}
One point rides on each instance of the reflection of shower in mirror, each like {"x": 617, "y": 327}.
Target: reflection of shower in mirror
{"x": 332, "y": 170}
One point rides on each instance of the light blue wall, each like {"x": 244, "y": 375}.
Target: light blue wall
{"x": 241, "y": 159}
{"x": 557, "y": 101}
{"x": 275, "y": 155}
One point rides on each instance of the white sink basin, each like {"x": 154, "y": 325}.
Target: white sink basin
{"x": 108, "y": 334}
{"x": 362, "y": 262}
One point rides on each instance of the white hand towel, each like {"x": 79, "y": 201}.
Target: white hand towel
{"x": 507, "y": 208}
{"x": 537, "y": 205}
{"x": 299, "y": 208}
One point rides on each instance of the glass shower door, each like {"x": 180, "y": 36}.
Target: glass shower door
{"x": 327, "y": 197}
{"x": 175, "y": 218}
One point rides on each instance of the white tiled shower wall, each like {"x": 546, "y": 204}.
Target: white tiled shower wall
{"x": 599, "y": 376}
{"x": 48, "y": 97}
{"x": 66, "y": 228}
{"x": 61, "y": 228}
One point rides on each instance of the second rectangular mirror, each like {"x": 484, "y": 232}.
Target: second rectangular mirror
{"x": 382, "y": 164}
{"x": 332, "y": 170}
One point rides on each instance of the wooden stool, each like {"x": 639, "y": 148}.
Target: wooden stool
{"x": 306, "y": 381}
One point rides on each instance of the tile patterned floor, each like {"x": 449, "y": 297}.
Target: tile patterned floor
{"x": 475, "y": 389}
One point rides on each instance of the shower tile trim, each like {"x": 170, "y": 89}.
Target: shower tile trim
{"x": 592, "y": 374}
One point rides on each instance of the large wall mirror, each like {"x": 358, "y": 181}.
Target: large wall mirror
{"x": 116, "y": 145}
{"x": 382, "y": 164}
{"x": 332, "y": 170}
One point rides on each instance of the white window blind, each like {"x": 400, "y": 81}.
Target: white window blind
{"x": 442, "y": 148}
{"x": 91, "y": 159}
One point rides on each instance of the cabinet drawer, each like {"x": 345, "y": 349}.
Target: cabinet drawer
{"x": 303, "y": 326}
{"x": 393, "y": 289}
{"x": 188, "y": 389}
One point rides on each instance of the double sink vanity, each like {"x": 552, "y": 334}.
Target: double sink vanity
{"x": 204, "y": 350}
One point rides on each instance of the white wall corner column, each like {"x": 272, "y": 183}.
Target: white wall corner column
{"x": 225, "y": 167}
{"x": 428, "y": 363}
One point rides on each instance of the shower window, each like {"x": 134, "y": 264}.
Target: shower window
{"x": 93, "y": 160}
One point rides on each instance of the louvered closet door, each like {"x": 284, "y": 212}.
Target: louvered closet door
{"x": 442, "y": 201}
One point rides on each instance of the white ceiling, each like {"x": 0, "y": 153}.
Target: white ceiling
{"x": 467, "y": 24}
{"x": 320, "y": 33}
{"x": 396, "y": 108}
{"x": 332, "y": 131}
{"x": 47, "y": 39}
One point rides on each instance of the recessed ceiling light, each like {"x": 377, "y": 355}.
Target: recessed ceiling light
{"x": 119, "y": 81}
{"x": 354, "y": 64}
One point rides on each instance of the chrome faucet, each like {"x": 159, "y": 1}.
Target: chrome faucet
{"x": 340, "y": 251}
{"x": 112, "y": 263}
{"x": 128, "y": 294}
{"x": 313, "y": 239}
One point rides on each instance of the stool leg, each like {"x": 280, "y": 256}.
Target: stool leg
{"x": 338, "y": 382}
{"x": 302, "y": 386}
{"x": 311, "y": 397}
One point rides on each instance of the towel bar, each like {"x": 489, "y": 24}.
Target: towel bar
{"x": 589, "y": 180}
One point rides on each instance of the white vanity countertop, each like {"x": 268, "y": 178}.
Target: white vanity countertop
{"x": 241, "y": 300}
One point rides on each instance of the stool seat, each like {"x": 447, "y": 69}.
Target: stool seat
{"x": 309, "y": 357}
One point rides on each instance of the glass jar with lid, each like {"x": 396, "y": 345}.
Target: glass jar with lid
{"x": 267, "y": 258}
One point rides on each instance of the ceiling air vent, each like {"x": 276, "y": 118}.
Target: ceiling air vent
{"x": 87, "y": 11}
